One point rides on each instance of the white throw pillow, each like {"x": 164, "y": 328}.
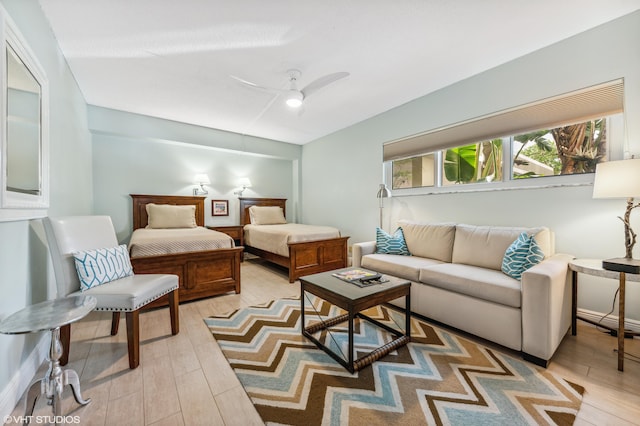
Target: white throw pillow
{"x": 266, "y": 215}
{"x": 162, "y": 216}
{"x": 101, "y": 266}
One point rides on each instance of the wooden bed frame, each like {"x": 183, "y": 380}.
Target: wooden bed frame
{"x": 305, "y": 258}
{"x": 201, "y": 273}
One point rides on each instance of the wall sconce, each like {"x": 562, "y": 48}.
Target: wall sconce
{"x": 244, "y": 183}
{"x": 201, "y": 179}
{"x": 620, "y": 179}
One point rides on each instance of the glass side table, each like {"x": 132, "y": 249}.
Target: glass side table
{"x": 50, "y": 316}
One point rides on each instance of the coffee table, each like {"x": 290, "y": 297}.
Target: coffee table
{"x": 355, "y": 299}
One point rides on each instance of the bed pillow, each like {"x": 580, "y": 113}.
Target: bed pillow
{"x": 391, "y": 244}
{"x": 161, "y": 216}
{"x": 100, "y": 266}
{"x": 521, "y": 255}
{"x": 266, "y": 215}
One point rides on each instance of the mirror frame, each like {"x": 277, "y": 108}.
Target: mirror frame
{"x": 16, "y": 205}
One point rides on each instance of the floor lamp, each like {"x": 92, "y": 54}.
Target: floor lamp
{"x": 383, "y": 192}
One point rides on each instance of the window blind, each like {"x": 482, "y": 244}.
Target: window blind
{"x": 570, "y": 108}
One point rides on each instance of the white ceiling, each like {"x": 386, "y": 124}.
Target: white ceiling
{"x": 173, "y": 58}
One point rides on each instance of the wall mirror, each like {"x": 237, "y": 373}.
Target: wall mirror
{"x": 24, "y": 181}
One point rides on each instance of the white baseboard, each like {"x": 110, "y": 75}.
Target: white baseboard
{"x": 12, "y": 393}
{"x": 609, "y": 321}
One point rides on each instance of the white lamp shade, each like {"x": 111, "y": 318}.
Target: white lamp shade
{"x": 201, "y": 179}
{"x": 617, "y": 179}
{"x": 244, "y": 182}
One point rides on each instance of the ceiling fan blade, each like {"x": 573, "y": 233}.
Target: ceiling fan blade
{"x": 256, "y": 86}
{"x": 321, "y": 82}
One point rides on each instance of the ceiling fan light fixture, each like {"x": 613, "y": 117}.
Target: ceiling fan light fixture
{"x": 294, "y": 99}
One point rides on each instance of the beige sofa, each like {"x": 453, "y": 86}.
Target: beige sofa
{"x": 457, "y": 280}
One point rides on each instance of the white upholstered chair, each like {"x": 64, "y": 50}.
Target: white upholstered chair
{"x": 68, "y": 235}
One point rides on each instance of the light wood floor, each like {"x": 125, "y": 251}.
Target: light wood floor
{"x": 185, "y": 379}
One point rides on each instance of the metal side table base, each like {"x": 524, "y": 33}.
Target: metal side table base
{"x": 50, "y": 316}
{"x": 53, "y": 383}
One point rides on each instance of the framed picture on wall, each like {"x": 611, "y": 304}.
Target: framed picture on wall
{"x": 220, "y": 207}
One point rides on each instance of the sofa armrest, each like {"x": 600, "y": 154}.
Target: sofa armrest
{"x": 361, "y": 249}
{"x": 546, "y": 306}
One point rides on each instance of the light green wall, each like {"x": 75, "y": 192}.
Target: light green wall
{"x": 135, "y": 154}
{"x": 341, "y": 189}
{"x": 25, "y": 274}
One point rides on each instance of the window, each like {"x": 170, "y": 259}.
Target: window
{"x": 561, "y": 136}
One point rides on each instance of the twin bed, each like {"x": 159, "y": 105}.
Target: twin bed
{"x": 174, "y": 240}
{"x": 302, "y": 249}
{"x": 205, "y": 267}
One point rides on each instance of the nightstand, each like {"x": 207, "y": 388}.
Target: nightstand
{"x": 234, "y": 231}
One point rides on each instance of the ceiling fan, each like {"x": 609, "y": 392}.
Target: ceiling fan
{"x": 294, "y": 97}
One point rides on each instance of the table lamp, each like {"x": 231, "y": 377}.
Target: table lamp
{"x": 620, "y": 179}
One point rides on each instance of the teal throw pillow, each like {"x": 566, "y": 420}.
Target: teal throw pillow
{"x": 101, "y": 266}
{"x": 391, "y": 244}
{"x": 521, "y": 255}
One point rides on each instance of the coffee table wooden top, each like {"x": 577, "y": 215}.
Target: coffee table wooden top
{"x": 350, "y": 296}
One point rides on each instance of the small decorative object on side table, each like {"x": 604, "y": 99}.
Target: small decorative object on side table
{"x": 50, "y": 316}
{"x": 594, "y": 267}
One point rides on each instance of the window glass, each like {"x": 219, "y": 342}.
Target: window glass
{"x": 480, "y": 162}
{"x": 415, "y": 172}
{"x": 565, "y": 150}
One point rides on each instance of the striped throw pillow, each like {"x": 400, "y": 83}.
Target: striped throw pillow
{"x": 391, "y": 244}
{"x": 521, "y": 255}
{"x": 101, "y": 266}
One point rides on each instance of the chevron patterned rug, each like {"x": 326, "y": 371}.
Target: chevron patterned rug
{"x": 439, "y": 378}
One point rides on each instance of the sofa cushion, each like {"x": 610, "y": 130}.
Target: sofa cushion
{"x": 474, "y": 281}
{"x": 430, "y": 240}
{"x": 407, "y": 267}
{"x": 521, "y": 255}
{"x": 391, "y": 244}
{"x": 485, "y": 246}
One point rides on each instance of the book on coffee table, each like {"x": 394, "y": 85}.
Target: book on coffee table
{"x": 360, "y": 277}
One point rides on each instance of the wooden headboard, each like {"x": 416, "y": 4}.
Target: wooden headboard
{"x": 245, "y": 203}
{"x": 140, "y": 202}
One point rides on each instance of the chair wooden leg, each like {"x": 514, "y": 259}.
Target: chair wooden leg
{"x": 133, "y": 338}
{"x": 115, "y": 323}
{"x": 65, "y": 338}
{"x": 173, "y": 311}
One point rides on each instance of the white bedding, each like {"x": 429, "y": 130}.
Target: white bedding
{"x": 152, "y": 242}
{"x": 275, "y": 238}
